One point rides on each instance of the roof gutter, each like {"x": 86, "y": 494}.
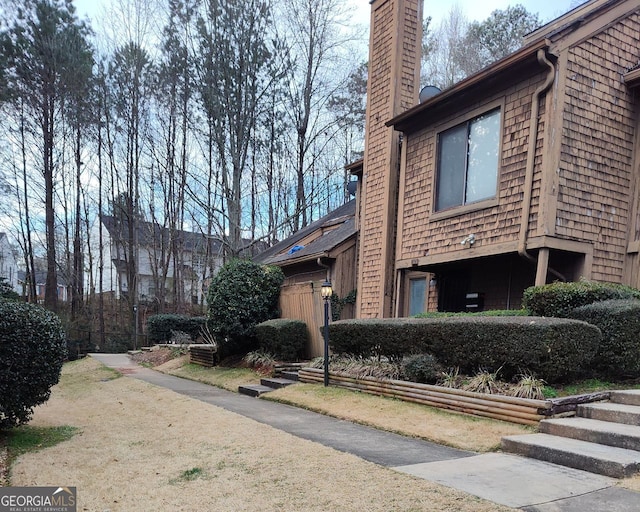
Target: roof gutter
{"x": 529, "y": 170}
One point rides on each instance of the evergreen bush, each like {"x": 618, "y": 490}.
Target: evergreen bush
{"x": 554, "y": 349}
{"x": 423, "y": 368}
{"x": 32, "y": 350}
{"x": 286, "y": 339}
{"x": 160, "y": 327}
{"x": 7, "y": 291}
{"x": 559, "y": 299}
{"x": 619, "y": 321}
{"x": 242, "y": 295}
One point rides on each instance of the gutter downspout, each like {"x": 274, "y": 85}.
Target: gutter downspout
{"x": 323, "y": 265}
{"x": 529, "y": 171}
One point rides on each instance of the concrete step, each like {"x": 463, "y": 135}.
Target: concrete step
{"x": 276, "y": 382}
{"x": 290, "y": 375}
{"x": 573, "y": 453}
{"x": 254, "y": 390}
{"x": 606, "y": 433}
{"x": 612, "y": 412}
{"x": 629, "y": 397}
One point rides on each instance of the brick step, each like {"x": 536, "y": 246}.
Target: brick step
{"x": 254, "y": 390}
{"x": 612, "y": 412}
{"x": 573, "y": 453}
{"x": 619, "y": 435}
{"x": 276, "y": 382}
{"x": 629, "y": 397}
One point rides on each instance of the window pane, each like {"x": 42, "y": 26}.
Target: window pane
{"x": 417, "y": 295}
{"x": 482, "y": 167}
{"x": 451, "y": 167}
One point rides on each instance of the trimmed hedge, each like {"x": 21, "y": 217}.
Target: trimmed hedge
{"x": 32, "y": 350}
{"x": 392, "y": 338}
{"x": 619, "y": 321}
{"x": 553, "y": 349}
{"x": 159, "y": 327}
{"x": 559, "y": 299}
{"x": 286, "y": 339}
{"x": 489, "y": 312}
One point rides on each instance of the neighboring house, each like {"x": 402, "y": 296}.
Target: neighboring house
{"x": 8, "y": 264}
{"x": 525, "y": 173}
{"x": 161, "y": 255}
{"x": 323, "y": 250}
{"x": 41, "y": 279}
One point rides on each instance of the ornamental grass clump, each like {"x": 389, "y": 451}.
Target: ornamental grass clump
{"x": 486, "y": 382}
{"x": 528, "y": 386}
{"x": 358, "y": 367}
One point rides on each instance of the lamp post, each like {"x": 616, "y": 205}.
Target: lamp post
{"x": 326, "y": 293}
{"x": 135, "y": 319}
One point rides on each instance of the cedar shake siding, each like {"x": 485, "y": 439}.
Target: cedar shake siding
{"x": 596, "y": 157}
{"x": 424, "y": 232}
{"x": 396, "y": 32}
{"x": 536, "y": 156}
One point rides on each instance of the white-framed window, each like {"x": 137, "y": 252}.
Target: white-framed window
{"x": 467, "y": 162}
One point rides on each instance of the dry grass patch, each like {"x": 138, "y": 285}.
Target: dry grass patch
{"x": 147, "y": 448}
{"x": 632, "y": 483}
{"x": 219, "y": 376}
{"x": 442, "y": 427}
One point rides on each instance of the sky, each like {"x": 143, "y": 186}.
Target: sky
{"x": 474, "y": 9}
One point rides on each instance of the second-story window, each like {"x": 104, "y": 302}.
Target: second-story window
{"x": 467, "y": 169}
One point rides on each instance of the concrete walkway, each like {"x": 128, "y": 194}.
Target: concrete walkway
{"x": 527, "y": 484}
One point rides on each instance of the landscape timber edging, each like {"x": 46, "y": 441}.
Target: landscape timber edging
{"x": 524, "y": 411}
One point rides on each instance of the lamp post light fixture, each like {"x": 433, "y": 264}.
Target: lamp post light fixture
{"x": 326, "y": 293}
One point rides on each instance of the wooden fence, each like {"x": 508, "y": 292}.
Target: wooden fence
{"x": 302, "y": 301}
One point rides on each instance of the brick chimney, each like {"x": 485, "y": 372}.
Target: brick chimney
{"x": 393, "y": 87}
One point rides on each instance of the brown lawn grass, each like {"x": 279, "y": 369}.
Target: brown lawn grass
{"x": 144, "y": 448}
{"x": 442, "y": 427}
{"x": 447, "y": 428}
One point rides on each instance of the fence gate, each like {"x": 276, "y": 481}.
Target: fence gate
{"x": 303, "y": 301}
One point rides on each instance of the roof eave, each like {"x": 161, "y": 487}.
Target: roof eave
{"x": 632, "y": 78}
{"x": 405, "y": 121}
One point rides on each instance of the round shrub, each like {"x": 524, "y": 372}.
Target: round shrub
{"x": 423, "y": 368}
{"x": 559, "y": 299}
{"x": 32, "y": 350}
{"x": 619, "y": 352}
{"x": 241, "y": 295}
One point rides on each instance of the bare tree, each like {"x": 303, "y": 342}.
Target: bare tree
{"x": 48, "y": 45}
{"x": 442, "y": 67}
{"x": 235, "y": 56}
{"x": 314, "y": 33}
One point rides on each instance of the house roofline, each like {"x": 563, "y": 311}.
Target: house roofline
{"x": 525, "y": 57}
{"x": 571, "y": 19}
